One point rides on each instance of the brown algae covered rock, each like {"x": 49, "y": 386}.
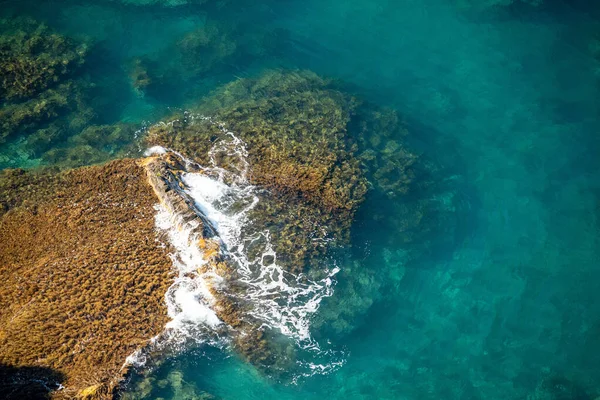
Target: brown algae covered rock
{"x": 295, "y": 130}
{"x": 307, "y": 143}
{"x": 83, "y": 275}
{"x": 317, "y": 149}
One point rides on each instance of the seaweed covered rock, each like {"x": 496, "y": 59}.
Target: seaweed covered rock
{"x": 84, "y": 277}
{"x": 380, "y": 135}
{"x": 139, "y": 76}
{"x": 33, "y": 58}
{"x": 295, "y": 127}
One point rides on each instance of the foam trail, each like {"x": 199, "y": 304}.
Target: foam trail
{"x": 279, "y": 300}
{"x": 189, "y": 299}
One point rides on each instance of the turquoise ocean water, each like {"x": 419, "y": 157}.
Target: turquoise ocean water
{"x": 500, "y": 298}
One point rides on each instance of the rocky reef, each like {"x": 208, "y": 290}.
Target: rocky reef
{"x": 295, "y": 129}
{"x": 96, "y": 284}
{"x": 319, "y": 151}
{"x": 84, "y": 277}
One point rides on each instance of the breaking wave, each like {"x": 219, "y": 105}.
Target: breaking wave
{"x": 279, "y": 300}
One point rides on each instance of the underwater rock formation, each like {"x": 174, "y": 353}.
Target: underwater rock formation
{"x": 174, "y": 382}
{"x": 47, "y": 110}
{"x": 43, "y": 101}
{"x": 204, "y": 48}
{"x": 200, "y": 59}
{"x": 33, "y": 58}
{"x": 84, "y": 277}
{"x": 138, "y": 75}
{"x": 93, "y": 145}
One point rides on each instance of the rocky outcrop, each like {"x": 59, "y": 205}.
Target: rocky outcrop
{"x": 83, "y": 275}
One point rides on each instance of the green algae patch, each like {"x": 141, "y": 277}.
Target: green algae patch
{"x": 83, "y": 275}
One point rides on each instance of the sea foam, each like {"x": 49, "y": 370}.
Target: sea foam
{"x": 279, "y": 300}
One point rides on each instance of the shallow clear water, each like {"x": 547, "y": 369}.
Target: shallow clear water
{"x": 502, "y": 300}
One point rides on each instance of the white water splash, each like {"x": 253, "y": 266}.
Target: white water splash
{"x": 280, "y": 300}
{"x": 189, "y": 300}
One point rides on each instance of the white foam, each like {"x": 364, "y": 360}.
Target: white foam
{"x": 280, "y": 300}
{"x": 155, "y": 150}
{"x": 189, "y": 299}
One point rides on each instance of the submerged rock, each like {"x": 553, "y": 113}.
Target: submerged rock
{"x": 210, "y": 53}
{"x": 33, "y": 58}
{"x": 93, "y": 145}
{"x": 43, "y": 98}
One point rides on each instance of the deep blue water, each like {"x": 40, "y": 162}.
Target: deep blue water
{"x": 502, "y": 301}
